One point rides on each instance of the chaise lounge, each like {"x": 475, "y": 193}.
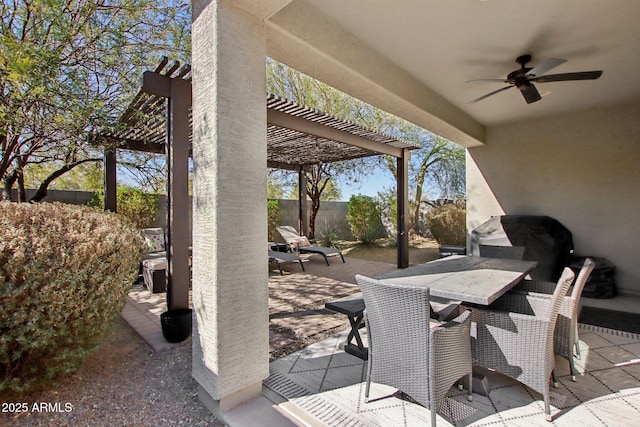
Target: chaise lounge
{"x": 303, "y": 246}
{"x": 280, "y": 258}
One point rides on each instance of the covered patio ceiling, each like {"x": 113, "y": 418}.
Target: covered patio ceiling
{"x": 297, "y": 136}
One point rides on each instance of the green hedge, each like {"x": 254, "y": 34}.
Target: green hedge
{"x": 274, "y": 214}
{"x": 64, "y": 273}
{"x": 138, "y": 207}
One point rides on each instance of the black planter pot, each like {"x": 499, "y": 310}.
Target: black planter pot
{"x": 176, "y": 324}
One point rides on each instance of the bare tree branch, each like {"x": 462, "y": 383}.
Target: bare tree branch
{"x": 41, "y": 193}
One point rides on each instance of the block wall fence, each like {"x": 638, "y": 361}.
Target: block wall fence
{"x": 331, "y": 213}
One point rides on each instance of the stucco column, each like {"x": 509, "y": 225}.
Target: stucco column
{"x": 230, "y": 298}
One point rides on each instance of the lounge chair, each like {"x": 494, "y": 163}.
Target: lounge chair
{"x": 280, "y": 258}
{"x": 302, "y": 245}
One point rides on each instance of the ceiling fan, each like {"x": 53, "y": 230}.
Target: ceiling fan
{"x": 524, "y": 78}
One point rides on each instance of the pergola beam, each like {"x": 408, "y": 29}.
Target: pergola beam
{"x": 285, "y": 166}
{"x": 284, "y": 120}
{"x": 178, "y": 232}
{"x": 302, "y": 202}
{"x": 156, "y": 84}
{"x": 134, "y": 145}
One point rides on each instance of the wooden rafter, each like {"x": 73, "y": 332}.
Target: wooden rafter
{"x": 296, "y": 135}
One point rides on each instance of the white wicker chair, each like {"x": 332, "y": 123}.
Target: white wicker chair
{"x": 408, "y": 350}
{"x": 518, "y": 342}
{"x": 566, "y": 333}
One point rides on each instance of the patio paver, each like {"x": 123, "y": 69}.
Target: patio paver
{"x": 322, "y": 382}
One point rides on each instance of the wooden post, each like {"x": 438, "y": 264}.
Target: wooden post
{"x": 178, "y": 233}
{"x": 110, "y": 180}
{"x": 403, "y": 209}
{"x": 178, "y": 93}
{"x": 303, "y": 216}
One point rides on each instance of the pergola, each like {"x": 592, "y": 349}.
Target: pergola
{"x": 158, "y": 120}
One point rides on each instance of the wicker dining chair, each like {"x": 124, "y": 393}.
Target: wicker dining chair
{"x": 518, "y": 342}
{"x": 508, "y": 252}
{"x": 566, "y": 339}
{"x": 407, "y": 349}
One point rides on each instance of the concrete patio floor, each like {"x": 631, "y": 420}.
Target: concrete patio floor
{"x": 322, "y": 385}
{"x": 296, "y": 302}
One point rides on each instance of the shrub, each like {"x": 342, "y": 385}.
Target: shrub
{"x": 448, "y": 224}
{"x": 329, "y": 236}
{"x": 274, "y": 214}
{"x": 363, "y": 217}
{"x": 134, "y": 204}
{"x": 64, "y": 273}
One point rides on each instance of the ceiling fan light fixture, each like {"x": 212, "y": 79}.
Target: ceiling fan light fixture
{"x": 524, "y": 77}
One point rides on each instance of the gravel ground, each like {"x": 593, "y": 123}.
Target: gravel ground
{"x": 122, "y": 383}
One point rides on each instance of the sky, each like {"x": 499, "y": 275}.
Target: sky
{"x": 379, "y": 180}
{"x": 370, "y": 186}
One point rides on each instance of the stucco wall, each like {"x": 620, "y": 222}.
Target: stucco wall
{"x": 330, "y": 214}
{"x": 582, "y": 169}
{"x": 63, "y": 196}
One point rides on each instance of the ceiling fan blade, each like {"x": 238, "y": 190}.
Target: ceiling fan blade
{"x": 546, "y": 66}
{"x": 529, "y": 92}
{"x": 488, "y": 81}
{"x": 583, "y": 75}
{"x": 489, "y": 94}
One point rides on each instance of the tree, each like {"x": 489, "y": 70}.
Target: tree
{"x": 89, "y": 177}
{"x": 437, "y": 158}
{"x": 364, "y": 219}
{"x": 318, "y": 180}
{"x": 438, "y": 163}
{"x": 277, "y": 183}
{"x": 67, "y": 68}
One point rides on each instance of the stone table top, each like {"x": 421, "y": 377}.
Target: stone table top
{"x": 472, "y": 279}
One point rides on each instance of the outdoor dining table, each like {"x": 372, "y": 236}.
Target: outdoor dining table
{"x": 471, "y": 279}
{"x": 452, "y": 280}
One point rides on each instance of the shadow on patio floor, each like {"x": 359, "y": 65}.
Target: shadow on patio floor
{"x": 297, "y": 316}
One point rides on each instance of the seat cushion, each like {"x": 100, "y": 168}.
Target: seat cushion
{"x": 155, "y": 264}
{"x": 300, "y": 242}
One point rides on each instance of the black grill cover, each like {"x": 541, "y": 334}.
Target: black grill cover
{"x": 544, "y": 238}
